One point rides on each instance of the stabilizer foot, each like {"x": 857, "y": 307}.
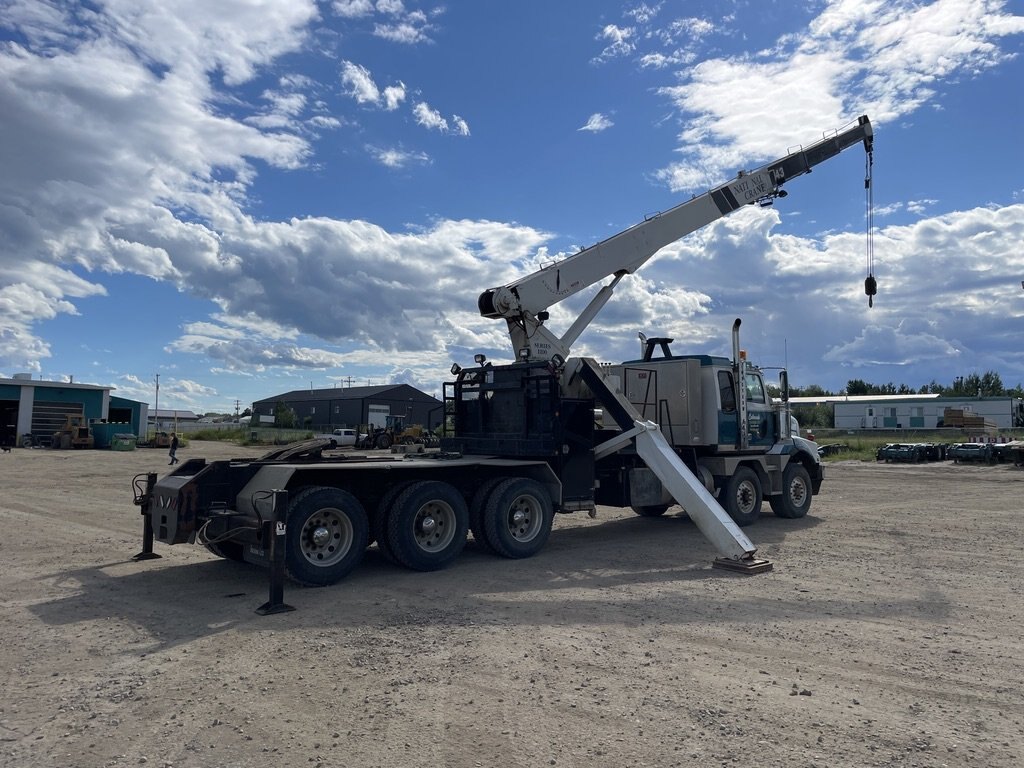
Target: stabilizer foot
{"x": 269, "y": 609}
{"x": 146, "y": 556}
{"x": 748, "y": 565}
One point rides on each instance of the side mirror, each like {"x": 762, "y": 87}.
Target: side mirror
{"x": 784, "y": 386}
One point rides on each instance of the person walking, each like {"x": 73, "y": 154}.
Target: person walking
{"x": 174, "y": 449}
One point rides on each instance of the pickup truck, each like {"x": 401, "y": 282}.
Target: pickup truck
{"x": 340, "y": 438}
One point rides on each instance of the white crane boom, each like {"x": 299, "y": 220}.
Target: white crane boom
{"x": 524, "y": 303}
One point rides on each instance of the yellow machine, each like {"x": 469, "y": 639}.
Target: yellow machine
{"x": 74, "y": 434}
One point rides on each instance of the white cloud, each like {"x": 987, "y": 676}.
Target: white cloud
{"x": 359, "y": 83}
{"x": 459, "y": 126}
{"x": 619, "y": 42}
{"x": 353, "y": 8}
{"x": 596, "y": 123}
{"x": 393, "y": 96}
{"x": 884, "y": 59}
{"x": 431, "y": 119}
{"x": 166, "y": 113}
{"x": 397, "y": 158}
{"x": 133, "y": 92}
{"x": 644, "y": 13}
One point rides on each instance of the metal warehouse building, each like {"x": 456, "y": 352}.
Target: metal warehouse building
{"x": 326, "y": 409}
{"x": 31, "y": 411}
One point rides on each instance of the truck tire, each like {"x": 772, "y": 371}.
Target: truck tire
{"x": 327, "y": 535}
{"x": 427, "y": 525}
{"x": 384, "y": 441}
{"x": 655, "y": 510}
{"x": 741, "y": 496}
{"x": 477, "y": 507}
{"x": 517, "y": 518}
{"x": 795, "y": 499}
{"x": 379, "y": 522}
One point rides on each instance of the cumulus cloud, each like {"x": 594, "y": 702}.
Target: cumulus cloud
{"x": 163, "y": 102}
{"x": 431, "y": 119}
{"x": 882, "y": 58}
{"x": 358, "y": 83}
{"x": 132, "y": 93}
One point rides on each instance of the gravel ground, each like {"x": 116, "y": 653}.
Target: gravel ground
{"x": 889, "y": 634}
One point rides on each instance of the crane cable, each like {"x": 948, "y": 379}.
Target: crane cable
{"x": 870, "y": 286}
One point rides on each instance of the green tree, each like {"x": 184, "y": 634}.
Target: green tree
{"x": 858, "y": 387}
{"x": 811, "y": 390}
{"x": 284, "y": 417}
{"x": 992, "y": 384}
{"x": 811, "y": 416}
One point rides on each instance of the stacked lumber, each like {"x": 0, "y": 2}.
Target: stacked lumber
{"x": 967, "y": 421}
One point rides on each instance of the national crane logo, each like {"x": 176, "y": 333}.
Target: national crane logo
{"x": 751, "y": 188}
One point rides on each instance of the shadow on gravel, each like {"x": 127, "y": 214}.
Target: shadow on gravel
{"x": 621, "y": 571}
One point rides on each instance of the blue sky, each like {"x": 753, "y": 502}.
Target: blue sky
{"x": 252, "y": 197}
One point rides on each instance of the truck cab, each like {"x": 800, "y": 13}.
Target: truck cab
{"x": 697, "y": 402}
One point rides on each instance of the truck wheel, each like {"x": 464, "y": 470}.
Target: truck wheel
{"x": 795, "y": 499}
{"x": 517, "y": 518}
{"x": 229, "y": 550}
{"x": 655, "y": 510}
{"x": 427, "y": 524}
{"x": 384, "y": 441}
{"x": 379, "y": 522}
{"x": 477, "y": 507}
{"x": 741, "y": 496}
{"x": 327, "y": 534}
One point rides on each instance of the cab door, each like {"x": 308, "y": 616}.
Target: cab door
{"x": 760, "y": 421}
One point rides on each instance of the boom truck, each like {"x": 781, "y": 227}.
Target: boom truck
{"x": 543, "y": 435}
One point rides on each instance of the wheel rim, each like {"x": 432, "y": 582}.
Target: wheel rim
{"x": 524, "y": 518}
{"x": 435, "y": 526}
{"x": 326, "y": 537}
{"x": 746, "y": 497}
{"x": 797, "y": 492}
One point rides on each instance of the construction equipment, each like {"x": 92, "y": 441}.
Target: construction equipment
{"x": 543, "y": 435}
{"x": 396, "y": 432}
{"x": 73, "y": 434}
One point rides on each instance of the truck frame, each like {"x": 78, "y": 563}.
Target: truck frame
{"x": 547, "y": 434}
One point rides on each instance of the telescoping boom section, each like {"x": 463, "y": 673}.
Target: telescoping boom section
{"x": 524, "y": 303}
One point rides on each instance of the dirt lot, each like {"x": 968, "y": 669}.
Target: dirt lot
{"x": 889, "y": 634}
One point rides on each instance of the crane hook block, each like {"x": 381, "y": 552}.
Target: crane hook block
{"x": 870, "y": 288}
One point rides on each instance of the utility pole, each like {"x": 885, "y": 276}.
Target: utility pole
{"x": 156, "y": 408}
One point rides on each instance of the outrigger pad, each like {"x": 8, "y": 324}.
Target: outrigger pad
{"x": 748, "y": 566}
